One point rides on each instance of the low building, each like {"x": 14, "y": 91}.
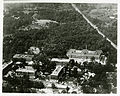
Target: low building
{"x": 56, "y": 73}
{"x": 42, "y": 23}
{"x": 60, "y": 61}
{"x": 23, "y": 56}
{"x": 34, "y": 50}
{"x": 27, "y": 70}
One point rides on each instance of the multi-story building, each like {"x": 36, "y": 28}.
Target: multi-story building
{"x": 86, "y": 55}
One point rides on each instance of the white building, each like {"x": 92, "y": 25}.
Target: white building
{"x": 86, "y": 55}
{"x": 55, "y": 74}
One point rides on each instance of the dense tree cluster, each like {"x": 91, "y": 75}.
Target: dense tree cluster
{"x": 20, "y": 85}
{"x": 98, "y": 82}
{"x": 72, "y": 32}
{"x": 102, "y": 20}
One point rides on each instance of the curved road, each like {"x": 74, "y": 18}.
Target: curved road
{"x": 94, "y": 26}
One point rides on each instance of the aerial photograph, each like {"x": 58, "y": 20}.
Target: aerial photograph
{"x": 59, "y": 48}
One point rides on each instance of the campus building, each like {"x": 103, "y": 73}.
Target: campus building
{"x": 57, "y": 72}
{"x": 86, "y": 55}
{"x": 23, "y": 56}
{"x": 27, "y": 70}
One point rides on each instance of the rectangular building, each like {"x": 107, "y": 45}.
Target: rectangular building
{"x": 83, "y": 54}
{"x": 55, "y": 74}
{"x": 23, "y": 56}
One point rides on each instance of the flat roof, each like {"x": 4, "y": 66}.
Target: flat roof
{"x": 60, "y": 60}
{"x": 57, "y": 70}
{"x": 84, "y": 51}
{"x": 25, "y": 71}
{"x": 23, "y": 56}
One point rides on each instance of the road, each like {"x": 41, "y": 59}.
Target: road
{"x": 94, "y": 26}
{"x": 7, "y": 67}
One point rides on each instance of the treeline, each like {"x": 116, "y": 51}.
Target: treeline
{"x": 14, "y": 20}
{"x": 108, "y": 28}
{"x": 109, "y": 31}
{"x": 72, "y": 32}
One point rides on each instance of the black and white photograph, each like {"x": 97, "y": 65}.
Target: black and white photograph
{"x": 60, "y": 48}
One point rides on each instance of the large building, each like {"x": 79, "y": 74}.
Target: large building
{"x": 73, "y": 53}
{"x": 86, "y": 55}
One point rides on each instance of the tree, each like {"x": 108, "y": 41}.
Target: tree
{"x": 92, "y": 59}
{"x": 54, "y": 86}
{"x": 72, "y": 62}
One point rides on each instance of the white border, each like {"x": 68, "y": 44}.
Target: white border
{"x": 59, "y": 1}
{"x": 1, "y": 42}
{"x": 118, "y": 51}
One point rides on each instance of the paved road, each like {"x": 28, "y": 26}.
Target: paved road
{"x": 6, "y": 64}
{"x": 94, "y": 26}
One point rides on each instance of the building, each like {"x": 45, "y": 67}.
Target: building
{"x": 85, "y": 55}
{"x": 56, "y": 73}
{"x": 23, "y": 56}
{"x": 43, "y": 22}
{"x": 34, "y": 50}
{"x": 60, "y": 61}
{"x": 24, "y": 63}
{"x": 27, "y": 70}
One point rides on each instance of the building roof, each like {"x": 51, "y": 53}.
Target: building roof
{"x": 23, "y": 56}
{"x": 44, "y": 21}
{"x": 83, "y": 52}
{"x": 60, "y": 60}
{"x": 35, "y": 50}
{"x": 26, "y": 70}
{"x": 57, "y": 70}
